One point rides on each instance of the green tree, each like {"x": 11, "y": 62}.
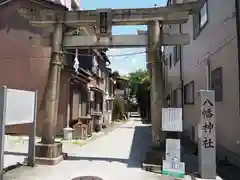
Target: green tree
{"x": 118, "y": 108}
{"x": 140, "y": 88}
{"x": 115, "y": 74}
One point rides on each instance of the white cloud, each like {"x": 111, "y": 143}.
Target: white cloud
{"x": 131, "y": 59}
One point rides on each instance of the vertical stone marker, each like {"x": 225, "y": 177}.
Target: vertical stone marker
{"x": 207, "y": 135}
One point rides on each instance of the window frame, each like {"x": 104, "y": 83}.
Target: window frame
{"x": 218, "y": 92}
{"x": 174, "y": 98}
{"x": 197, "y": 27}
{"x": 170, "y": 61}
{"x": 193, "y": 93}
{"x": 177, "y": 53}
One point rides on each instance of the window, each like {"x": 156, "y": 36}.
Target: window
{"x": 200, "y": 19}
{"x": 203, "y": 15}
{"x": 216, "y": 83}
{"x": 189, "y": 93}
{"x": 170, "y": 61}
{"x": 177, "y": 53}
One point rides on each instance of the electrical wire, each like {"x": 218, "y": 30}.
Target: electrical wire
{"x": 219, "y": 48}
{"x": 110, "y": 55}
{"x": 79, "y": 55}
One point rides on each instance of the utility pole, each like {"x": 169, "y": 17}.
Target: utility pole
{"x": 48, "y": 148}
{"x": 157, "y": 92}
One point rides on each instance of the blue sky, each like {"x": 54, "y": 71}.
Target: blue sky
{"x": 124, "y": 64}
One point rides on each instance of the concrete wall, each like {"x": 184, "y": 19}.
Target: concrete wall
{"x": 217, "y": 42}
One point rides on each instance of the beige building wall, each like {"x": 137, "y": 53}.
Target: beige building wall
{"x": 216, "y": 42}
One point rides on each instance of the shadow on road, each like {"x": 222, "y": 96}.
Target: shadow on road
{"x": 141, "y": 142}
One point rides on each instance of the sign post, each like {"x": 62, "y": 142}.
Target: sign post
{"x": 172, "y": 122}
{"x": 207, "y": 135}
{"x": 17, "y": 107}
{"x": 3, "y": 92}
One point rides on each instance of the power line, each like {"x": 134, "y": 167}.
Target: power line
{"x": 115, "y": 55}
{"x": 227, "y": 42}
{"x": 127, "y": 54}
{"x": 70, "y": 53}
{"x": 217, "y": 50}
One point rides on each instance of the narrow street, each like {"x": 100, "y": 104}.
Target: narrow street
{"x": 115, "y": 156}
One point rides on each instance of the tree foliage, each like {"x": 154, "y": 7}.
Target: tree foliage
{"x": 118, "y": 108}
{"x": 115, "y": 74}
{"x": 140, "y": 88}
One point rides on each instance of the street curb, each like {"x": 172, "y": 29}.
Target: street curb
{"x": 12, "y": 167}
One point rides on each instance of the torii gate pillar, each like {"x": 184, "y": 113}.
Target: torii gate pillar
{"x": 48, "y": 151}
{"x": 157, "y": 88}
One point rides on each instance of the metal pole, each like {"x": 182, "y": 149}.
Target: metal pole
{"x": 32, "y": 136}
{"x": 3, "y": 99}
{"x": 181, "y": 76}
{"x": 157, "y": 91}
{"x": 50, "y": 119}
{"x": 208, "y": 75}
{"x": 181, "y": 80}
{"x": 237, "y": 9}
{"x": 69, "y": 101}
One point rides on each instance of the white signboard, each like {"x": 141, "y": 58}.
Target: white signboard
{"x": 207, "y": 137}
{"x": 172, "y": 119}
{"x": 19, "y": 107}
{"x": 173, "y": 150}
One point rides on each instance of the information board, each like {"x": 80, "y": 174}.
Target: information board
{"x": 172, "y": 119}
{"x": 19, "y": 106}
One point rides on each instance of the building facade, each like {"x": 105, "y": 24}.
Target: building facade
{"x": 24, "y": 61}
{"x": 210, "y": 61}
{"x": 109, "y": 97}
{"x": 89, "y": 103}
{"x": 24, "y": 65}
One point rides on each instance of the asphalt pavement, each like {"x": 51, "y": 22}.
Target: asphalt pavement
{"x": 115, "y": 156}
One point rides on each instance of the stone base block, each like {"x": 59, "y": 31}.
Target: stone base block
{"x": 49, "y": 154}
{"x": 49, "y": 161}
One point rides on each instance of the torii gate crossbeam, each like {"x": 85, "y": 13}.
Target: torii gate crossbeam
{"x": 176, "y": 14}
{"x": 121, "y": 41}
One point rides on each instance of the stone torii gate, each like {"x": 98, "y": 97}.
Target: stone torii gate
{"x": 102, "y": 21}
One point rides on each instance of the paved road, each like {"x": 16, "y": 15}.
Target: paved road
{"x": 116, "y": 156}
